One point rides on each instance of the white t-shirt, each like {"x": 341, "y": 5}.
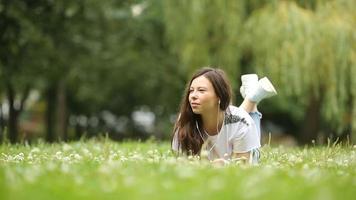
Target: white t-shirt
{"x": 237, "y": 135}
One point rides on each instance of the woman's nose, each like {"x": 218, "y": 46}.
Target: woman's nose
{"x": 194, "y": 95}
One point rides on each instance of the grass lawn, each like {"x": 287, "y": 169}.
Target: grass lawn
{"x": 103, "y": 169}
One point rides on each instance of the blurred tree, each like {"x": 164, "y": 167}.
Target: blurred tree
{"x": 18, "y": 60}
{"x": 63, "y": 22}
{"x": 312, "y": 55}
{"x": 131, "y": 67}
{"x": 205, "y": 33}
{"x": 299, "y": 44}
{"x": 90, "y": 57}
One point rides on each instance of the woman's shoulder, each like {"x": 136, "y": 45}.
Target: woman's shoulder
{"x": 237, "y": 115}
{"x": 234, "y": 110}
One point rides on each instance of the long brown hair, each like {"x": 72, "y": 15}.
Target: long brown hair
{"x": 189, "y": 140}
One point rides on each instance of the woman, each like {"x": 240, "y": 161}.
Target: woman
{"x": 207, "y": 123}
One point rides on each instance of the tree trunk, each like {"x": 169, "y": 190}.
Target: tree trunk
{"x": 352, "y": 120}
{"x": 1, "y": 124}
{"x": 15, "y": 112}
{"x": 13, "y": 128}
{"x": 12, "y": 122}
{"x": 62, "y": 118}
{"x": 50, "y": 113}
{"x": 311, "y": 125}
{"x": 78, "y": 131}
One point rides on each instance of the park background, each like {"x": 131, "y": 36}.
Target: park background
{"x": 90, "y": 89}
{"x": 81, "y": 69}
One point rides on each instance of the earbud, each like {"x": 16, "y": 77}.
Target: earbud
{"x": 219, "y": 101}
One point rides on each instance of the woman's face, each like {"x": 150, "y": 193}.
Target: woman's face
{"x": 202, "y": 97}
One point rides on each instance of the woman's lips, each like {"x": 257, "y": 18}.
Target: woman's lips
{"x": 194, "y": 105}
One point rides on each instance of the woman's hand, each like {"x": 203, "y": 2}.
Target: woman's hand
{"x": 220, "y": 162}
{"x": 237, "y": 158}
{"x": 240, "y": 157}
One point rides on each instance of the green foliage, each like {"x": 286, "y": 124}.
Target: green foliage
{"x": 124, "y": 55}
{"x": 129, "y": 65}
{"x": 306, "y": 47}
{"x": 308, "y": 53}
{"x": 105, "y": 170}
{"x": 106, "y": 57}
{"x": 18, "y": 39}
{"x": 205, "y": 33}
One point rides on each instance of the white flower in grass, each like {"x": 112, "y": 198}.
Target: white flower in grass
{"x": 58, "y": 155}
{"x": 113, "y": 156}
{"x": 97, "y": 148}
{"x": 19, "y": 157}
{"x": 8, "y": 158}
{"x": 77, "y": 157}
{"x": 156, "y": 159}
{"x": 74, "y": 157}
{"x": 66, "y": 147}
{"x": 276, "y": 164}
{"x": 30, "y": 157}
{"x": 86, "y": 151}
{"x": 66, "y": 159}
{"x": 35, "y": 150}
{"x": 150, "y": 152}
{"x": 123, "y": 158}
{"x": 119, "y": 152}
{"x": 136, "y": 157}
{"x": 292, "y": 158}
{"x": 4, "y": 159}
{"x": 346, "y": 162}
{"x": 299, "y": 160}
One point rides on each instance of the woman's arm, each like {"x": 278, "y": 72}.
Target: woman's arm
{"x": 236, "y": 157}
{"x": 244, "y": 157}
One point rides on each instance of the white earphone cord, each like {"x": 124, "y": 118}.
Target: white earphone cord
{"x": 217, "y": 131}
{"x": 222, "y": 125}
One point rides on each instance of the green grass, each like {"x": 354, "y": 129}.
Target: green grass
{"x": 132, "y": 170}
